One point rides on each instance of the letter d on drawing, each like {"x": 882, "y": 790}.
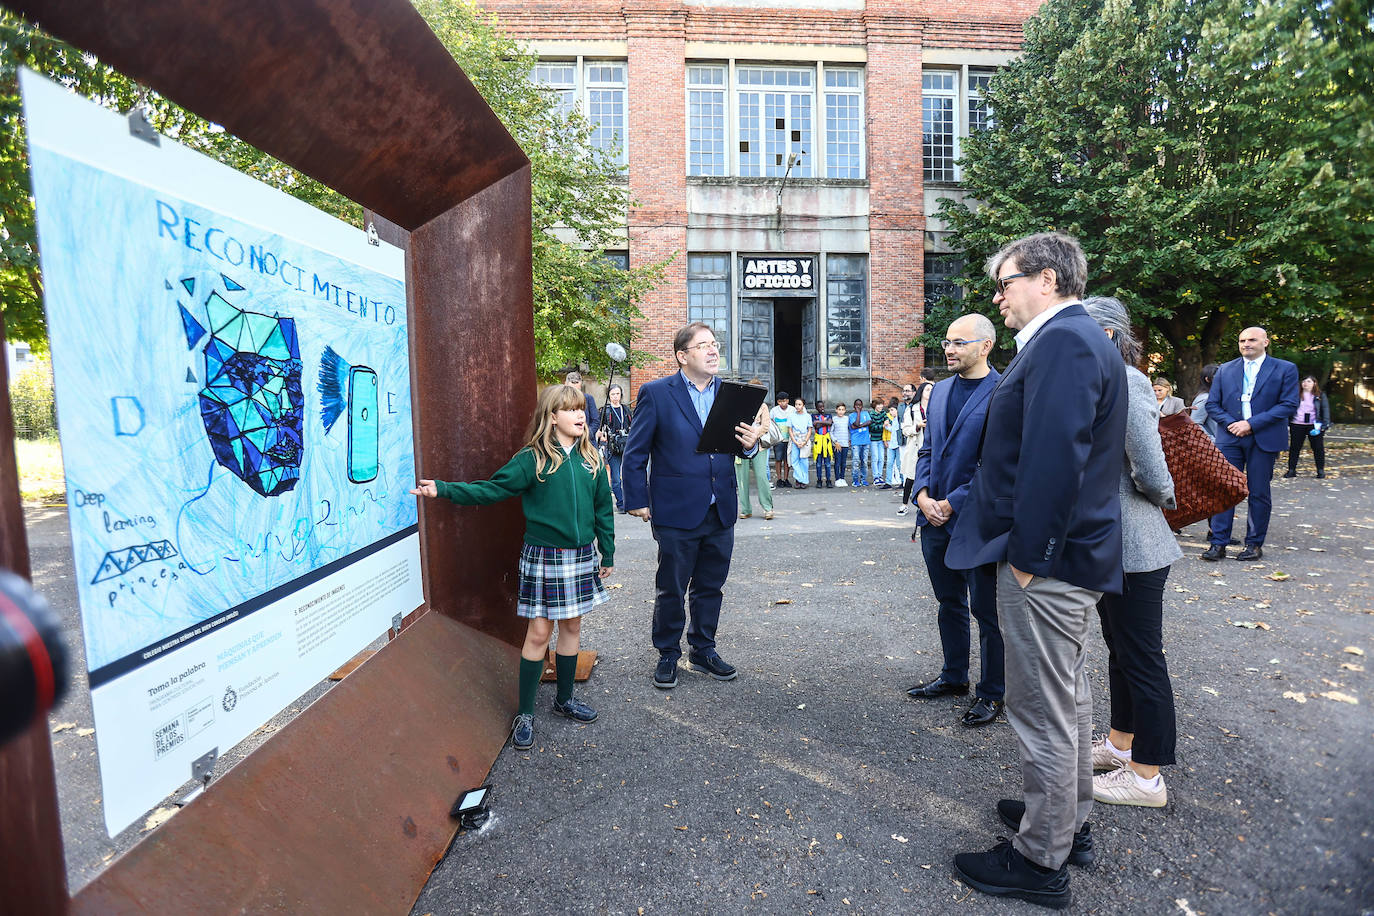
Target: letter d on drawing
{"x": 128, "y": 415}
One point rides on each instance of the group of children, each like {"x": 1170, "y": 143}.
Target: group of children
{"x": 872, "y": 435}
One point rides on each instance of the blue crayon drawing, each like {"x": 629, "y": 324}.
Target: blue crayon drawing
{"x": 251, "y": 404}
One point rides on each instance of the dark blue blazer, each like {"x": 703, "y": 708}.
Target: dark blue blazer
{"x": 1272, "y": 403}
{"x": 1044, "y": 497}
{"x": 945, "y": 465}
{"x": 593, "y": 418}
{"x": 661, "y": 468}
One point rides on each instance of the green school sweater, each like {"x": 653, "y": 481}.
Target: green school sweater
{"x": 568, "y": 508}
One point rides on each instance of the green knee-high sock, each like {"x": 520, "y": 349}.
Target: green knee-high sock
{"x": 531, "y": 670}
{"x": 566, "y": 666}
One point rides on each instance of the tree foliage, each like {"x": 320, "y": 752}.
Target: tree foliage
{"x": 581, "y": 300}
{"x": 1215, "y": 158}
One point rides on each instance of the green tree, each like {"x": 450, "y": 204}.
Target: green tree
{"x": 581, "y": 300}
{"x": 1215, "y": 157}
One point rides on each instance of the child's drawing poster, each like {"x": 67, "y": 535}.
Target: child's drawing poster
{"x": 233, "y": 394}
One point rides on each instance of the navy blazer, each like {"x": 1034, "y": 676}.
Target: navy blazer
{"x": 1044, "y": 497}
{"x": 661, "y": 468}
{"x": 593, "y": 417}
{"x": 945, "y": 465}
{"x": 1272, "y": 403}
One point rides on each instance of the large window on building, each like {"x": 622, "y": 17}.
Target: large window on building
{"x": 706, "y": 126}
{"x": 752, "y": 120}
{"x": 599, "y": 94}
{"x": 952, "y": 107}
{"x": 844, "y": 107}
{"x": 940, "y": 273}
{"x": 846, "y": 288}
{"x": 708, "y": 297}
{"x": 774, "y": 121}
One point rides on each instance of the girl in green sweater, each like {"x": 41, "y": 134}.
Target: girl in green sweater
{"x": 566, "y": 495}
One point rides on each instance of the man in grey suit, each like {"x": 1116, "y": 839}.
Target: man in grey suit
{"x": 1044, "y": 507}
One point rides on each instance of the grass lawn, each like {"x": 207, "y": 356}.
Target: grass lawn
{"x": 40, "y": 470}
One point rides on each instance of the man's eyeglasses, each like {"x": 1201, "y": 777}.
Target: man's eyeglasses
{"x": 959, "y": 344}
{"x": 1003, "y": 281}
{"x": 703, "y": 347}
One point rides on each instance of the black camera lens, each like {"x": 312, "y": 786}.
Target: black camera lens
{"x": 33, "y": 657}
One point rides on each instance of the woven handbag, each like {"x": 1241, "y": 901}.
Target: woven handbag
{"x": 1205, "y": 483}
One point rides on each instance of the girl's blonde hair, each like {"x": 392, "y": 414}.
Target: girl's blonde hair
{"x": 543, "y": 440}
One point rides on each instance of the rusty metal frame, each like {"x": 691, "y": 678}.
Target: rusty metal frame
{"x": 362, "y": 96}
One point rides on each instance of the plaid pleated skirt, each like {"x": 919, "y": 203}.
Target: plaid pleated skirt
{"x": 559, "y": 582}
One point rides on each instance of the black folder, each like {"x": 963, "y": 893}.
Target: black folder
{"x": 735, "y": 403}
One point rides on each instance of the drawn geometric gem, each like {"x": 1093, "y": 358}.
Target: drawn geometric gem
{"x": 251, "y": 404}
{"x": 194, "y": 330}
{"x": 190, "y": 284}
{"x": 118, "y": 562}
{"x": 191, "y": 377}
{"x": 230, "y": 284}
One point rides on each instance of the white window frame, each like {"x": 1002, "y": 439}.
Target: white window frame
{"x": 823, "y": 116}
{"x": 583, "y": 86}
{"x": 723, "y": 87}
{"x": 817, "y": 152}
{"x": 963, "y": 95}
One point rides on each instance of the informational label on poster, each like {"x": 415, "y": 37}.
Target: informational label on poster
{"x": 233, "y": 395}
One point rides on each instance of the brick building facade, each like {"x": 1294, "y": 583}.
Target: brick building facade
{"x": 791, "y": 155}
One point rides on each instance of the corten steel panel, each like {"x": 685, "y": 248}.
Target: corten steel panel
{"x": 358, "y": 94}
{"x": 469, "y": 280}
{"x": 31, "y": 869}
{"x": 293, "y": 829}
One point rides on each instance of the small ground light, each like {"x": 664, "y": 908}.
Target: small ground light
{"x": 472, "y": 807}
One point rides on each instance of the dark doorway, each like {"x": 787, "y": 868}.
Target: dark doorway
{"x": 787, "y": 346}
{"x": 794, "y": 348}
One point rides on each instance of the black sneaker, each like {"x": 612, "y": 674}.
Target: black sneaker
{"x": 1011, "y": 811}
{"x": 713, "y": 665}
{"x": 1215, "y": 552}
{"x": 665, "y": 675}
{"x": 522, "y": 732}
{"x": 1006, "y": 873}
{"x": 575, "y": 709}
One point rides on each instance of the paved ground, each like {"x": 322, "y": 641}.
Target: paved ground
{"x": 812, "y": 784}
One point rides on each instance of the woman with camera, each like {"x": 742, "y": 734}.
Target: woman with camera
{"x": 614, "y": 431}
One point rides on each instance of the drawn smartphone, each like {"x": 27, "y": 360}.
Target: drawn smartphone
{"x": 362, "y": 424}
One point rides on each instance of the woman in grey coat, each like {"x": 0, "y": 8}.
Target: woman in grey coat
{"x": 1143, "y": 731}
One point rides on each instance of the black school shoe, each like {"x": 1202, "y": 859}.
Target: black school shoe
{"x": 1004, "y": 872}
{"x": 1081, "y": 853}
{"x": 713, "y": 665}
{"x": 665, "y": 674}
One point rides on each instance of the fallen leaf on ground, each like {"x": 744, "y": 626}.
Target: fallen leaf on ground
{"x": 1340, "y": 697}
{"x": 63, "y": 726}
{"x": 1353, "y": 650}
{"x": 1297, "y": 697}
{"x": 870, "y": 563}
{"x": 899, "y": 839}
{"x": 158, "y": 818}
{"x": 783, "y": 601}
{"x": 85, "y": 732}
{"x": 1278, "y": 576}
{"x": 1351, "y": 666}
{"x": 1251, "y": 624}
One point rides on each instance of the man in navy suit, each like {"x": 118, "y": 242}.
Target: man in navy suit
{"x": 1252, "y": 399}
{"x": 944, "y": 468}
{"x": 690, "y": 499}
{"x": 1043, "y": 506}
